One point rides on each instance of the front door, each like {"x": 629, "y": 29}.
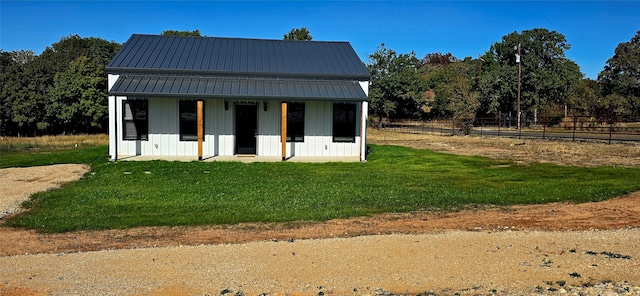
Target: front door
{"x": 246, "y": 128}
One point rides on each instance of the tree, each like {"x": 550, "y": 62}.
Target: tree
{"x": 35, "y": 90}
{"x": 181, "y": 33}
{"x": 69, "y": 63}
{"x": 547, "y": 76}
{"x": 615, "y": 104}
{"x": 23, "y": 94}
{"x": 14, "y": 92}
{"x": 584, "y": 101}
{"x": 79, "y": 98}
{"x": 621, "y": 75}
{"x": 452, "y": 83}
{"x": 298, "y": 34}
{"x": 438, "y": 58}
{"x": 396, "y": 88}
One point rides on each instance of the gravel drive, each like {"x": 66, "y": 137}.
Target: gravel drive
{"x": 455, "y": 261}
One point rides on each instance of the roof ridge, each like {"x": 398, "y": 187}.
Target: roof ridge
{"x": 238, "y": 38}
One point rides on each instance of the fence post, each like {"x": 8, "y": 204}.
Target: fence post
{"x": 481, "y": 125}
{"x": 575, "y": 120}
{"x": 453, "y": 126}
{"x": 610, "y": 131}
{"x": 520, "y": 127}
{"x": 544, "y": 127}
{"x": 499, "y": 123}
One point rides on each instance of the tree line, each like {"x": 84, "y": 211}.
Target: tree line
{"x": 64, "y": 89}
{"x": 443, "y": 86}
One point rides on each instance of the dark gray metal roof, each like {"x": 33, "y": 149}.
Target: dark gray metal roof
{"x": 236, "y": 56}
{"x": 237, "y": 88}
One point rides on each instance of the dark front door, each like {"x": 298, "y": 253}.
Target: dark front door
{"x": 246, "y": 128}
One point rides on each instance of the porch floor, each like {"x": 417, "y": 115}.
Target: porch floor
{"x": 241, "y": 158}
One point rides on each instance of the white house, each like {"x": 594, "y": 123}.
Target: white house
{"x": 207, "y": 98}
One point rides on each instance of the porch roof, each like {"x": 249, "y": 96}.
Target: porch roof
{"x": 237, "y": 88}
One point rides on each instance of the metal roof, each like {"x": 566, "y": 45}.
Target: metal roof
{"x": 237, "y": 88}
{"x": 236, "y": 56}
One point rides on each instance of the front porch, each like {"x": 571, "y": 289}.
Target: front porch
{"x": 241, "y": 158}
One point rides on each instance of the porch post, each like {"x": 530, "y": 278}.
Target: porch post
{"x": 113, "y": 127}
{"x": 364, "y": 114}
{"x": 112, "y": 103}
{"x": 200, "y": 129}
{"x": 283, "y": 132}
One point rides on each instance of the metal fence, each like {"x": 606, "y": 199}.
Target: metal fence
{"x": 610, "y": 130}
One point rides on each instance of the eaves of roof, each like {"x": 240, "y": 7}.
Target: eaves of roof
{"x": 237, "y": 88}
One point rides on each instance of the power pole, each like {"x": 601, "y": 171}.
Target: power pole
{"x": 518, "y": 61}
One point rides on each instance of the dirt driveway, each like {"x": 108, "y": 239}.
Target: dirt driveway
{"x": 551, "y": 248}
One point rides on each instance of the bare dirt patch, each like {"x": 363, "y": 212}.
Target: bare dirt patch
{"x": 516, "y": 249}
{"x": 17, "y": 184}
{"x": 618, "y": 213}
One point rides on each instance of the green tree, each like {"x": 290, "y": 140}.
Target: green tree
{"x": 396, "y": 89}
{"x": 14, "y": 91}
{"x": 584, "y": 101}
{"x": 23, "y": 94}
{"x": 451, "y": 80}
{"x": 547, "y": 76}
{"x": 61, "y": 61}
{"x": 615, "y": 104}
{"x": 182, "y": 33}
{"x": 79, "y": 98}
{"x": 298, "y": 34}
{"x": 621, "y": 76}
{"x": 28, "y": 105}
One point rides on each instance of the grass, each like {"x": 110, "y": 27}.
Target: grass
{"x": 566, "y": 153}
{"x": 92, "y": 155}
{"x": 395, "y": 179}
{"x": 9, "y": 145}
{"x": 46, "y": 150}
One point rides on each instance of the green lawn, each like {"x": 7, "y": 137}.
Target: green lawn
{"x": 91, "y": 155}
{"x": 395, "y": 179}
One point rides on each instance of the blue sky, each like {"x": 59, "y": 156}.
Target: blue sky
{"x": 593, "y": 28}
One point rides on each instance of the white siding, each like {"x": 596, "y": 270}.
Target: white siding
{"x": 268, "y": 141}
{"x": 112, "y": 106}
{"x": 318, "y": 139}
{"x": 365, "y": 87}
{"x": 219, "y": 130}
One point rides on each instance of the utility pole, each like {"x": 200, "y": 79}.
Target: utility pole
{"x": 480, "y": 60}
{"x": 518, "y": 61}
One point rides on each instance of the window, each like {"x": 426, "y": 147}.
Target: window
{"x": 134, "y": 120}
{"x": 295, "y": 122}
{"x": 189, "y": 120}
{"x": 344, "y": 123}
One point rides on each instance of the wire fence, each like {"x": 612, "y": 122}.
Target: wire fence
{"x": 574, "y": 128}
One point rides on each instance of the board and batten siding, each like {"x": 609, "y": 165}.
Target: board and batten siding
{"x": 219, "y": 124}
{"x": 318, "y": 132}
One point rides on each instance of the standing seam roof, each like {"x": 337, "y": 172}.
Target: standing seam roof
{"x": 226, "y": 87}
{"x": 189, "y": 54}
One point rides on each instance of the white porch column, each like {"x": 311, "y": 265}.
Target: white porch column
{"x": 364, "y": 114}
{"x": 113, "y": 119}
